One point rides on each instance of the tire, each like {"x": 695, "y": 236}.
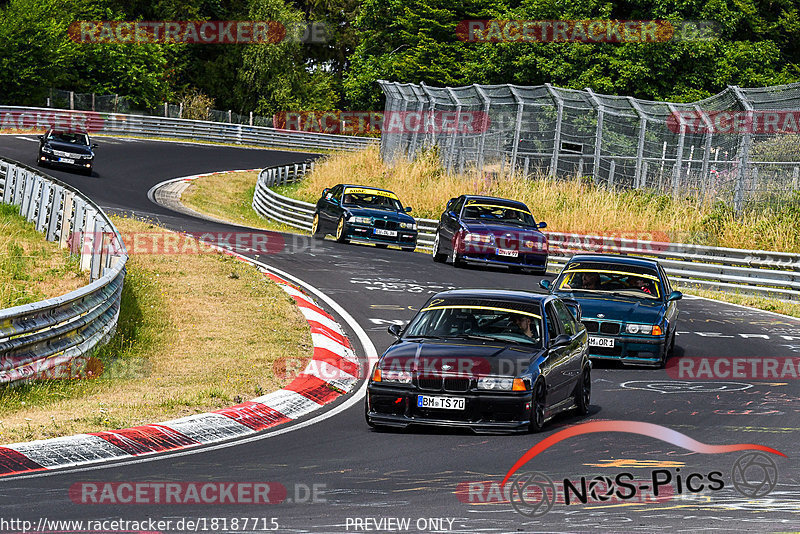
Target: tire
{"x": 341, "y": 231}
{"x": 315, "y": 233}
{"x": 438, "y": 257}
{"x": 455, "y": 259}
{"x": 667, "y": 352}
{"x": 538, "y": 405}
{"x": 583, "y": 392}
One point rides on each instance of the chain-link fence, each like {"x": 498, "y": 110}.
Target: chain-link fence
{"x": 740, "y": 146}
{"x": 121, "y": 104}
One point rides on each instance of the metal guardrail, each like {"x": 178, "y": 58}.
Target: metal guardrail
{"x": 53, "y": 337}
{"x": 25, "y": 119}
{"x": 755, "y": 272}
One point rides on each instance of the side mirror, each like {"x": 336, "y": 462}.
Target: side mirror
{"x": 395, "y": 330}
{"x": 407, "y": 209}
{"x": 545, "y": 284}
{"x": 675, "y": 295}
{"x": 542, "y": 224}
{"x": 450, "y": 203}
{"x": 41, "y": 138}
{"x": 560, "y": 341}
{"x": 325, "y": 191}
{"x": 94, "y": 145}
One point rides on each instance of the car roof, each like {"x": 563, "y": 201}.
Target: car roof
{"x": 616, "y": 259}
{"x": 496, "y": 294}
{"x": 367, "y": 187}
{"x": 494, "y": 199}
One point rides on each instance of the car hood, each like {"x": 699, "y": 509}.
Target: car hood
{"x": 69, "y": 147}
{"x": 624, "y": 309}
{"x": 464, "y": 357}
{"x": 500, "y": 230}
{"x": 396, "y": 216}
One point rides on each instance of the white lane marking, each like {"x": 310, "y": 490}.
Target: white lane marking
{"x": 27, "y": 139}
{"x": 749, "y": 308}
{"x": 371, "y": 354}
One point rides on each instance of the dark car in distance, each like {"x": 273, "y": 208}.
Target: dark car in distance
{"x": 487, "y": 360}
{"x": 71, "y": 149}
{"x": 490, "y": 231}
{"x": 365, "y": 214}
{"x": 628, "y": 306}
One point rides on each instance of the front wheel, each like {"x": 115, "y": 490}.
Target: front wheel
{"x": 315, "y": 233}
{"x": 438, "y": 257}
{"x": 538, "y": 405}
{"x": 583, "y": 392}
{"x": 341, "y": 231}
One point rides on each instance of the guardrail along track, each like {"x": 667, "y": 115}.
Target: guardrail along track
{"x": 755, "y": 272}
{"x": 54, "y": 337}
{"x": 30, "y": 119}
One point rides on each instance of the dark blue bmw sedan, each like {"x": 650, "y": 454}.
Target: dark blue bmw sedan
{"x": 628, "y": 306}
{"x": 490, "y": 231}
{"x": 366, "y": 214}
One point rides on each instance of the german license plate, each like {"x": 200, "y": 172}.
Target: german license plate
{"x": 601, "y": 342}
{"x": 509, "y": 253}
{"x": 441, "y": 403}
{"x": 388, "y": 233}
{"x": 66, "y": 160}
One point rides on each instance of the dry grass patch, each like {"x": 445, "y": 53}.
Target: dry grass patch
{"x": 575, "y": 205}
{"x": 197, "y": 332}
{"x": 229, "y": 196}
{"x": 31, "y": 268}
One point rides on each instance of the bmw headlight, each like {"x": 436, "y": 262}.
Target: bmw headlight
{"x": 408, "y": 225}
{"x": 401, "y": 377}
{"x": 644, "y": 329}
{"x": 479, "y": 238}
{"x": 495, "y": 383}
{"x": 362, "y": 220}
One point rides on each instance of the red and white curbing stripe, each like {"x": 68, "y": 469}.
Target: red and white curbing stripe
{"x": 332, "y": 371}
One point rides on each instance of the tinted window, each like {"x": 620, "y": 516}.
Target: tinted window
{"x": 629, "y": 280}
{"x": 553, "y": 327}
{"x": 566, "y": 318}
{"x": 488, "y": 211}
{"x": 69, "y": 137}
{"x": 457, "y": 205}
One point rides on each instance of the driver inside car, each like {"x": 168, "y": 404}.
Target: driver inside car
{"x": 521, "y": 324}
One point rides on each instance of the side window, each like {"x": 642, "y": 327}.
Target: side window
{"x": 566, "y": 318}
{"x": 457, "y": 205}
{"x": 553, "y": 327}
{"x": 667, "y": 285}
{"x": 336, "y": 192}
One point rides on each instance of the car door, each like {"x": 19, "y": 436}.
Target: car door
{"x": 448, "y": 224}
{"x": 572, "y": 365}
{"x": 330, "y": 207}
{"x": 671, "y": 313}
{"x": 557, "y": 357}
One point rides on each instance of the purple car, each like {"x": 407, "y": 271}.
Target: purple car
{"x": 490, "y": 231}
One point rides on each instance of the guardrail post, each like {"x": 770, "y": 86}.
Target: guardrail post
{"x": 795, "y": 175}
{"x": 251, "y": 118}
{"x": 557, "y": 134}
{"x": 8, "y": 186}
{"x": 230, "y": 117}
{"x": 598, "y": 135}
{"x": 66, "y": 219}
{"x": 72, "y": 100}
{"x": 294, "y": 179}
{"x": 55, "y": 214}
{"x": 28, "y": 202}
{"x": 87, "y": 242}
{"x": 43, "y": 205}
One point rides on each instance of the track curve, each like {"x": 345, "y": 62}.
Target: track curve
{"x": 416, "y": 475}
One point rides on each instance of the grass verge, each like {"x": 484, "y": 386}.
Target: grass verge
{"x": 197, "y": 332}
{"x": 31, "y": 268}
{"x": 229, "y": 196}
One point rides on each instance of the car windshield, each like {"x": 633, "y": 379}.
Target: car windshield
{"x": 491, "y": 321}
{"x": 70, "y": 137}
{"x": 498, "y": 213}
{"x": 625, "y": 280}
{"x": 372, "y": 200}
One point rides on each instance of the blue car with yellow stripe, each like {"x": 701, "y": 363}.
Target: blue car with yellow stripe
{"x": 365, "y": 214}
{"x": 628, "y": 306}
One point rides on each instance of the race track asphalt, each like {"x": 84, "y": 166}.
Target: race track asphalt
{"x": 414, "y": 474}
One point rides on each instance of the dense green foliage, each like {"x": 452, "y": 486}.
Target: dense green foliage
{"x": 402, "y": 40}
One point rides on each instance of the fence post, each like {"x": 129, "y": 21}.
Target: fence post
{"x": 706, "y": 151}
{"x": 452, "y": 148}
{"x": 180, "y": 110}
{"x": 598, "y": 136}
{"x": 637, "y": 181}
{"x": 611, "y": 173}
{"x": 431, "y": 111}
{"x": 412, "y": 148}
{"x": 743, "y": 154}
{"x": 557, "y": 135}
{"x": 230, "y": 117}
{"x": 676, "y": 170}
{"x": 482, "y": 143}
{"x": 251, "y": 118}
{"x": 517, "y": 127}
{"x": 795, "y": 175}
{"x": 116, "y": 98}
{"x": 643, "y": 179}
{"x": 72, "y": 100}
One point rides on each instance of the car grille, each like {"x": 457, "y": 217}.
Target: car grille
{"x": 62, "y": 154}
{"x": 387, "y": 225}
{"x": 603, "y": 327}
{"x": 447, "y": 383}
